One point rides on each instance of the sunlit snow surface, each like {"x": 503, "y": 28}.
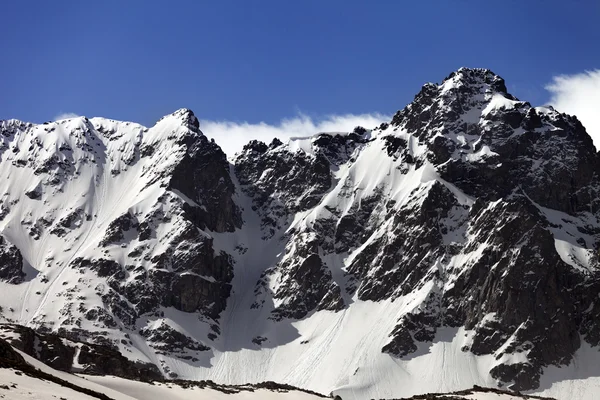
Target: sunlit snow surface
{"x": 22, "y": 387}
{"x": 15, "y": 385}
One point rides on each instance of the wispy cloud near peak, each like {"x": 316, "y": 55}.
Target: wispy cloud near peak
{"x": 65, "y": 116}
{"x": 579, "y": 95}
{"x": 232, "y": 136}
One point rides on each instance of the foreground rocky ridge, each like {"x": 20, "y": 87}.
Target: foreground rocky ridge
{"x": 476, "y": 393}
{"x": 11, "y": 360}
{"x": 76, "y": 357}
{"x": 28, "y": 379}
{"x": 468, "y": 222}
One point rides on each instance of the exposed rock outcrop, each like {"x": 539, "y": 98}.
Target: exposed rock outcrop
{"x": 11, "y": 262}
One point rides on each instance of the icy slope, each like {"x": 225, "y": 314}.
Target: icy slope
{"x": 456, "y": 245}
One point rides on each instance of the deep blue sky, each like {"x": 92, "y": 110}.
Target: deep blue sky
{"x": 266, "y": 60}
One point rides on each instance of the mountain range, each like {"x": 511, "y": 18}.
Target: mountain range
{"x": 456, "y": 245}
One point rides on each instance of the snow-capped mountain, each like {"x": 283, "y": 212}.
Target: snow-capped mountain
{"x": 455, "y": 245}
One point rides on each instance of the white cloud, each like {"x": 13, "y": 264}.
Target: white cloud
{"x": 579, "y": 95}
{"x": 232, "y": 136}
{"x": 65, "y": 116}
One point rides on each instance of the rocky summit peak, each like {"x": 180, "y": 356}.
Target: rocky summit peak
{"x": 475, "y": 77}
{"x": 186, "y": 116}
{"x": 464, "y": 96}
{"x": 470, "y": 123}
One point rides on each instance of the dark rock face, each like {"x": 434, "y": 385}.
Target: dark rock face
{"x": 281, "y": 182}
{"x": 387, "y": 256}
{"x": 339, "y": 148}
{"x": 524, "y": 144}
{"x": 9, "y": 354}
{"x": 103, "y": 267}
{"x": 59, "y": 353}
{"x": 100, "y": 360}
{"x": 34, "y": 194}
{"x": 203, "y": 176}
{"x": 179, "y": 279}
{"x": 172, "y": 342}
{"x": 476, "y": 392}
{"x": 117, "y": 228}
{"x": 307, "y": 285}
{"x": 191, "y": 293}
{"x": 529, "y": 281}
{"x": 11, "y": 262}
{"x": 72, "y": 220}
{"x": 521, "y": 287}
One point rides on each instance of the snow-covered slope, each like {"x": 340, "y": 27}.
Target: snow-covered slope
{"x": 110, "y": 222}
{"x": 28, "y": 378}
{"x": 456, "y": 245}
{"x": 38, "y": 381}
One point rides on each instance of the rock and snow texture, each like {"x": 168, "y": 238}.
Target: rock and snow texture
{"x": 25, "y": 378}
{"x": 456, "y": 245}
{"x": 477, "y": 393}
{"x": 111, "y": 221}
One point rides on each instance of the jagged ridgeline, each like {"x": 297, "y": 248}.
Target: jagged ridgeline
{"x": 455, "y": 245}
